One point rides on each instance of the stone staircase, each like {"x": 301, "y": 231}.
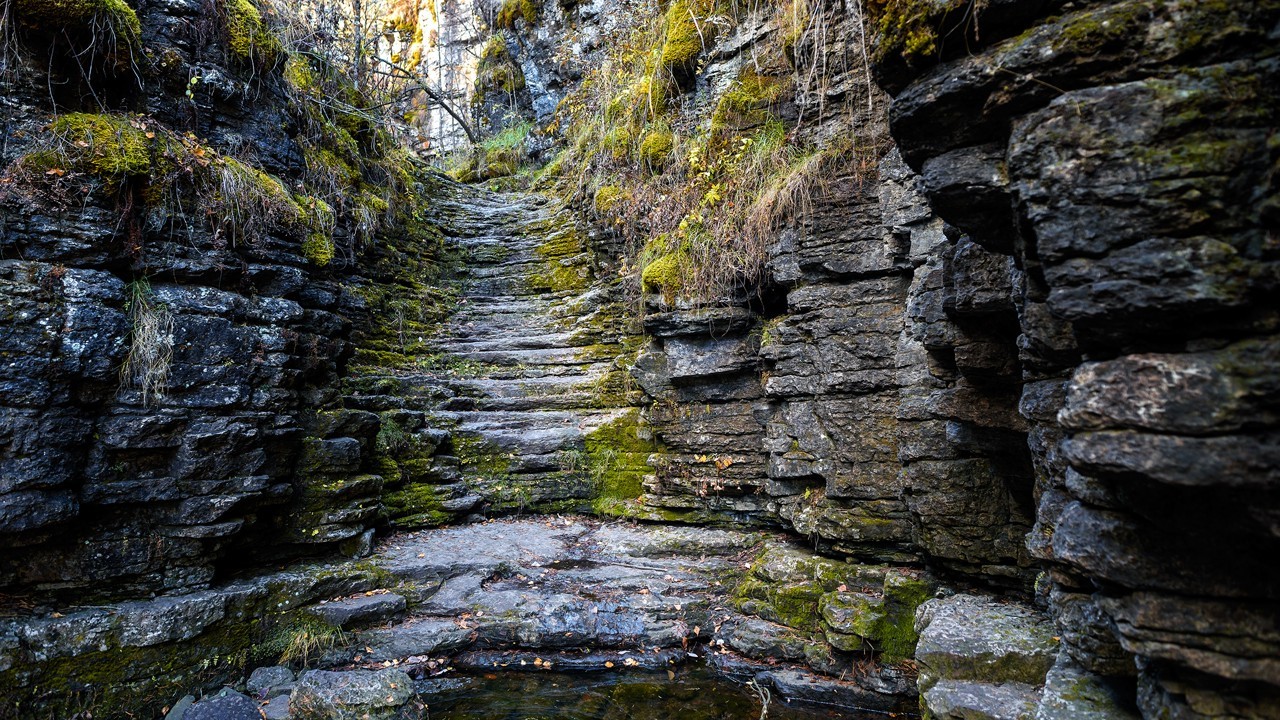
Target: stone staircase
{"x": 523, "y": 371}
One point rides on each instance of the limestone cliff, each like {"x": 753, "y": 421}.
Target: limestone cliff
{"x": 971, "y": 300}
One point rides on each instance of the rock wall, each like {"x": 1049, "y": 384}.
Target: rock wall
{"x": 139, "y": 236}
{"x": 1110, "y": 173}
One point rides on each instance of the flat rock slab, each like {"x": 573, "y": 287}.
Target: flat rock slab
{"x": 553, "y": 583}
{"x": 226, "y": 705}
{"x": 966, "y": 637}
{"x": 964, "y": 700}
{"x": 361, "y": 610}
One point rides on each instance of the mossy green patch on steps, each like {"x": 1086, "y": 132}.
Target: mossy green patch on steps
{"x": 617, "y": 455}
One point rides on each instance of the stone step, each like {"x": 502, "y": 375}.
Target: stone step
{"x": 359, "y": 610}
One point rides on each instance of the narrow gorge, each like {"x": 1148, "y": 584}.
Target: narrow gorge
{"x": 684, "y": 358}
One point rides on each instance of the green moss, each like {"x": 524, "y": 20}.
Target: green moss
{"x": 109, "y": 146}
{"x": 617, "y": 455}
{"x": 513, "y": 10}
{"x": 749, "y": 101}
{"x": 1087, "y": 33}
{"x": 687, "y": 35}
{"x": 908, "y": 28}
{"x": 617, "y": 142}
{"x": 114, "y": 16}
{"x": 416, "y": 505}
{"x": 902, "y": 595}
{"x": 299, "y": 75}
{"x": 656, "y": 148}
{"x": 606, "y": 197}
{"x": 479, "y": 457}
{"x": 665, "y": 274}
{"x": 249, "y": 40}
{"x": 650, "y": 96}
{"x": 883, "y": 622}
{"x": 318, "y": 249}
{"x": 497, "y": 72}
{"x": 320, "y": 220}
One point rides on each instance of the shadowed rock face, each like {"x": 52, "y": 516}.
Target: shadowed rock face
{"x": 102, "y": 491}
{"x": 1118, "y": 157}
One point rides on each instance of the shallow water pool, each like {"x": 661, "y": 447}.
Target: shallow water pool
{"x": 688, "y": 694}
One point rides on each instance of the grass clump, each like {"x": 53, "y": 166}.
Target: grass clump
{"x": 146, "y": 366}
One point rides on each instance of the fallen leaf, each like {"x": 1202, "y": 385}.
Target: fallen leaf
{"x": 671, "y": 675}
{"x": 608, "y": 663}
{"x": 55, "y": 171}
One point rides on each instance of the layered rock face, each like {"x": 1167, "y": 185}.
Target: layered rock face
{"x": 1035, "y": 337}
{"x": 1023, "y": 342}
{"x": 864, "y": 396}
{"x": 174, "y": 316}
{"x": 1110, "y": 174}
{"x": 157, "y": 488}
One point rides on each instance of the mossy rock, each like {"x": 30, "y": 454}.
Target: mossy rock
{"x": 513, "y": 10}
{"x": 108, "y": 146}
{"x": 249, "y": 38}
{"x": 617, "y": 456}
{"x": 908, "y": 29}
{"x": 656, "y": 149}
{"x": 606, "y": 198}
{"x": 749, "y": 102}
{"x": 416, "y": 505}
{"x": 686, "y": 37}
{"x": 665, "y": 275}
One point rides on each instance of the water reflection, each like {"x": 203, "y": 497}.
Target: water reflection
{"x": 690, "y": 694}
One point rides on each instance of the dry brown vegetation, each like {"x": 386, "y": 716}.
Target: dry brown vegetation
{"x": 700, "y": 189}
